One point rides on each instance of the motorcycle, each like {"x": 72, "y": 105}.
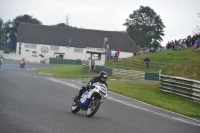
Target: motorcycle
{"x": 21, "y": 64}
{"x": 90, "y": 100}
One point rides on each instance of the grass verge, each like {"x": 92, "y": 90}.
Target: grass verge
{"x": 66, "y": 71}
{"x": 150, "y": 93}
{"x": 69, "y": 71}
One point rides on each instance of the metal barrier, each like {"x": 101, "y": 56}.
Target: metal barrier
{"x": 64, "y": 61}
{"x": 187, "y": 88}
{"x": 151, "y": 76}
{"x": 86, "y": 69}
{"x": 102, "y": 68}
{"x": 129, "y": 74}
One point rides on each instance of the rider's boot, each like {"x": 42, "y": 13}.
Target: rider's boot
{"x": 76, "y": 98}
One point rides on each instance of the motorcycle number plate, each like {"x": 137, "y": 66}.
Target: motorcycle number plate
{"x": 103, "y": 89}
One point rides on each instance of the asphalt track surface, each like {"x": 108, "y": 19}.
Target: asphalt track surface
{"x": 39, "y": 103}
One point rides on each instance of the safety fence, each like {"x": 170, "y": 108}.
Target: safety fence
{"x": 130, "y": 74}
{"x": 108, "y": 70}
{"x": 138, "y": 64}
{"x": 187, "y": 88}
{"x": 64, "y": 61}
{"x": 86, "y": 69}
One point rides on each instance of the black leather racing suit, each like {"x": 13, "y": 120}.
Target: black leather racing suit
{"x": 89, "y": 85}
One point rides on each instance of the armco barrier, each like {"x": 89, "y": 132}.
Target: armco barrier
{"x": 187, "y": 88}
{"x": 102, "y": 68}
{"x": 151, "y": 76}
{"x": 86, "y": 69}
{"x": 129, "y": 74}
{"x": 64, "y": 61}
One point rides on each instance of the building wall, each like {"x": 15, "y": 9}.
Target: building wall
{"x": 125, "y": 54}
{"x": 70, "y": 52}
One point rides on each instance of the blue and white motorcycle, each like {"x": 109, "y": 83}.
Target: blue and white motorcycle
{"x": 90, "y": 100}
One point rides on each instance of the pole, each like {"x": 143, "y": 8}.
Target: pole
{"x": 103, "y": 43}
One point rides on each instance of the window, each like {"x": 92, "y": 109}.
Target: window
{"x": 27, "y": 46}
{"x": 56, "y": 48}
{"x": 32, "y": 46}
{"x": 78, "y": 50}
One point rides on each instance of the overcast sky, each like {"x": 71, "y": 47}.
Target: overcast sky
{"x": 179, "y": 16}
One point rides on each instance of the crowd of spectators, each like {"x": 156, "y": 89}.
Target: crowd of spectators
{"x": 190, "y": 41}
{"x": 113, "y": 54}
{"x": 148, "y": 50}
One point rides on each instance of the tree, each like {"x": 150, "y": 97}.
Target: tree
{"x": 61, "y": 25}
{"x": 13, "y": 27}
{"x": 145, "y": 27}
{"x": 4, "y": 35}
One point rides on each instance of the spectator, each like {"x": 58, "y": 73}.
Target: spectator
{"x": 134, "y": 53}
{"x": 141, "y": 51}
{"x": 146, "y": 50}
{"x": 109, "y": 54}
{"x": 117, "y": 54}
{"x": 189, "y": 41}
{"x": 158, "y": 49}
{"x": 152, "y": 50}
{"x": 113, "y": 54}
{"x": 198, "y": 43}
{"x": 147, "y": 60}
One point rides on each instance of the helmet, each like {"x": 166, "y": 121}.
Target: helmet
{"x": 103, "y": 76}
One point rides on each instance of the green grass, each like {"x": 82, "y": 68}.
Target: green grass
{"x": 68, "y": 71}
{"x": 150, "y": 93}
{"x": 171, "y": 56}
{"x": 182, "y": 63}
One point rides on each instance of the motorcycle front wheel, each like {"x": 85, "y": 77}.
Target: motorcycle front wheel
{"x": 93, "y": 107}
{"x": 75, "y": 108}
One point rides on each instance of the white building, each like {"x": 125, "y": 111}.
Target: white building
{"x": 70, "y": 43}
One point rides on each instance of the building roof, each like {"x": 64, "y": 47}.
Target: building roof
{"x": 74, "y": 37}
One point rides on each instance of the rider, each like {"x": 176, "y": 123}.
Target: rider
{"x": 101, "y": 78}
{"x": 23, "y": 60}
{"x": 1, "y": 59}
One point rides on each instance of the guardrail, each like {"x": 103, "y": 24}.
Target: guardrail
{"x": 129, "y": 74}
{"x": 64, "y": 61}
{"x": 187, "y": 88}
{"x": 102, "y": 68}
{"x": 86, "y": 69}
